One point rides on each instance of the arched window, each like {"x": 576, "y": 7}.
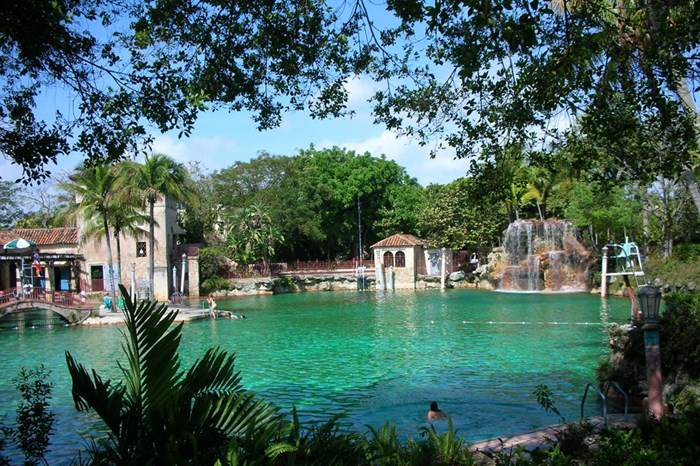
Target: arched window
{"x": 400, "y": 259}
{"x": 388, "y": 259}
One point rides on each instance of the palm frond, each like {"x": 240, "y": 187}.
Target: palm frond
{"x": 88, "y": 392}
{"x": 151, "y": 350}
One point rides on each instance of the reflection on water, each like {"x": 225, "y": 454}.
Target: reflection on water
{"x": 376, "y": 357}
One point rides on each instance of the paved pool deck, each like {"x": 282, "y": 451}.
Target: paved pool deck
{"x": 542, "y": 438}
{"x": 185, "y": 314}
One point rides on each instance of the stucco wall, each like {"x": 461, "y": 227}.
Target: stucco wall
{"x": 96, "y": 255}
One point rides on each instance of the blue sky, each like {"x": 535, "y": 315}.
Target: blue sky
{"x": 221, "y": 138}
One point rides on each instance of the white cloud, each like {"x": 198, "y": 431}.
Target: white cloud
{"x": 359, "y": 91}
{"x": 203, "y": 149}
{"x": 409, "y": 154}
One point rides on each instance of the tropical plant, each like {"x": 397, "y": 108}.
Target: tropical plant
{"x": 159, "y": 414}
{"x": 318, "y": 444}
{"x": 160, "y": 177}
{"x": 513, "y": 70}
{"x": 252, "y": 236}
{"x": 35, "y": 422}
{"x": 447, "y": 447}
{"x": 385, "y": 448}
{"x": 125, "y": 217}
{"x": 98, "y": 190}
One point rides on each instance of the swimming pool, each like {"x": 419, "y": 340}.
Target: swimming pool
{"x": 374, "y": 356}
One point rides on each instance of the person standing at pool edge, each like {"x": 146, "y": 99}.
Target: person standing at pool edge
{"x": 436, "y": 413}
{"x": 212, "y": 306}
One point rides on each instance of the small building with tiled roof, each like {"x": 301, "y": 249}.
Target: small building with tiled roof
{"x": 67, "y": 261}
{"x": 59, "y": 258}
{"x": 401, "y": 258}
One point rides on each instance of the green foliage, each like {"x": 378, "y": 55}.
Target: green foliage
{"x": 252, "y": 237}
{"x": 458, "y": 217}
{"x": 213, "y": 284}
{"x": 608, "y": 211}
{"x": 158, "y": 413}
{"x": 200, "y": 216}
{"x": 447, "y": 448}
{"x": 102, "y": 190}
{"x": 518, "y": 65}
{"x": 384, "y": 447}
{"x": 318, "y": 444}
{"x": 668, "y": 441}
{"x": 545, "y": 398}
{"x": 687, "y": 253}
{"x": 10, "y": 210}
{"x": 159, "y": 177}
{"x": 679, "y": 328}
{"x": 127, "y": 67}
{"x": 213, "y": 268}
{"x": 672, "y": 273}
{"x": 35, "y": 422}
{"x": 316, "y": 199}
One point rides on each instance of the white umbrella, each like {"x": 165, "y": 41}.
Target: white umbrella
{"x": 20, "y": 245}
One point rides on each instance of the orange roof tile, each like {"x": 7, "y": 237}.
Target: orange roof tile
{"x": 41, "y": 236}
{"x": 399, "y": 240}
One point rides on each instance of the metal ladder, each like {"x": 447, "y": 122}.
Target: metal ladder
{"x": 604, "y": 396}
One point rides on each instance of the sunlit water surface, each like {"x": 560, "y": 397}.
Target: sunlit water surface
{"x": 374, "y": 356}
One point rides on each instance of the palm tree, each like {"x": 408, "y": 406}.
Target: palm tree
{"x": 159, "y": 177}
{"x": 539, "y": 185}
{"x": 97, "y": 190}
{"x": 160, "y": 414}
{"x": 252, "y": 236}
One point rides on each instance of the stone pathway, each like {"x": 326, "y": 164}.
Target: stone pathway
{"x": 539, "y": 438}
{"x": 185, "y": 314}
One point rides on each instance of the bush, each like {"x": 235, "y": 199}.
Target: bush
{"x": 686, "y": 252}
{"x": 673, "y": 274}
{"x": 213, "y": 267}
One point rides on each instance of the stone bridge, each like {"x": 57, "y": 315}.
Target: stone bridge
{"x": 72, "y": 314}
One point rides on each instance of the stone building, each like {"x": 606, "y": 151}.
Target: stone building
{"x": 401, "y": 258}
{"x": 68, "y": 262}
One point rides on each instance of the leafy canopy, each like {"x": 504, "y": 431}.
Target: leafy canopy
{"x": 124, "y": 68}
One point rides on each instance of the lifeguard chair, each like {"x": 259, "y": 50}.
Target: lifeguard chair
{"x": 627, "y": 262}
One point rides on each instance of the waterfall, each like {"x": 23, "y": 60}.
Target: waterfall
{"x": 543, "y": 256}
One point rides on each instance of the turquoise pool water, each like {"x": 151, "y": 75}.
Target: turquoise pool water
{"x": 375, "y": 357}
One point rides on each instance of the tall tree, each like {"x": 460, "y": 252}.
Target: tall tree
{"x": 10, "y": 210}
{"x": 200, "y": 217}
{"x": 126, "y": 68}
{"x": 97, "y": 190}
{"x": 459, "y": 216}
{"x": 158, "y": 178}
{"x": 252, "y": 236}
{"x": 126, "y": 218}
{"x": 500, "y": 72}
{"x": 325, "y": 203}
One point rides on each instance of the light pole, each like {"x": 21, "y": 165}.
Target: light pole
{"x": 649, "y": 299}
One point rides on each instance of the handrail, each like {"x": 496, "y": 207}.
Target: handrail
{"x": 602, "y": 397}
{"x": 605, "y": 399}
{"x": 622, "y": 392}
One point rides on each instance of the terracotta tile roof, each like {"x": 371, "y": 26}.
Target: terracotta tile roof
{"x": 41, "y": 236}
{"x": 399, "y": 240}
